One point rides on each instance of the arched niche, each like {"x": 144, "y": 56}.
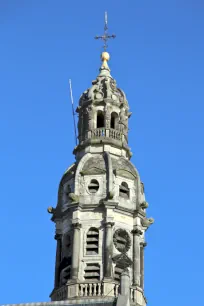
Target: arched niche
{"x": 114, "y": 121}
{"x": 100, "y": 122}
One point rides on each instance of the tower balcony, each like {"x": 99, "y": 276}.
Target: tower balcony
{"x": 96, "y": 291}
{"x": 103, "y": 133}
{"x": 109, "y": 133}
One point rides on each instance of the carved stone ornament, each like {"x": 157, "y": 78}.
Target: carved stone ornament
{"x": 74, "y": 198}
{"x": 146, "y": 222}
{"x": 144, "y": 205}
{"x": 124, "y": 164}
{"x": 122, "y": 261}
{"x": 121, "y": 240}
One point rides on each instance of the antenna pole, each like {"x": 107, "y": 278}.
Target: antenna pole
{"x": 73, "y": 113}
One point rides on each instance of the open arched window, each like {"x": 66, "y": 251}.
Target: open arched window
{"x": 124, "y": 191}
{"x": 114, "y": 120}
{"x": 92, "y": 240}
{"x": 100, "y": 119}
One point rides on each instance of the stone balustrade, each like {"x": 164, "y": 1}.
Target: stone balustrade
{"x": 109, "y": 133}
{"x": 84, "y": 290}
{"x": 90, "y": 289}
{"x": 96, "y": 290}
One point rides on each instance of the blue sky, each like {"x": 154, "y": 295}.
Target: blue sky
{"x": 157, "y": 59}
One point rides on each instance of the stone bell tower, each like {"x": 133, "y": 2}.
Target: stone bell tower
{"x": 100, "y": 215}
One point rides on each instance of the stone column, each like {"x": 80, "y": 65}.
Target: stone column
{"x": 142, "y": 246}
{"x": 136, "y": 256}
{"x": 107, "y": 117}
{"x": 75, "y": 250}
{"x": 108, "y": 250}
{"x": 125, "y": 283}
{"x": 58, "y": 237}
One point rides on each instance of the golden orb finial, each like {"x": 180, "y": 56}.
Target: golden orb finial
{"x": 105, "y": 56}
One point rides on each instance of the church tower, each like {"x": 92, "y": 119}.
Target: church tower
{"x": 100, "y": 215}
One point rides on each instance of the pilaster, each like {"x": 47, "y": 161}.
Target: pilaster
{"x": 142, "y": 246}
{"x": 108, "y": 250}
{"x": 58, "y": 237}
{"x": 75, "y": 250}
{"x": 136, "y": 256}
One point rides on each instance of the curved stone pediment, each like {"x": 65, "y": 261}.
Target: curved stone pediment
{"x": 124, "y": 173}
{"x": 93, "y": 170}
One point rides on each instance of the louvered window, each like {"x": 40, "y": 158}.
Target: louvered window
{"x": 92, "y": 240}
{"x": 92, "y": 272}
{"x": 117, "y": 273}
{"x": 93, "y": 186}
{"x": 124, "y": 190}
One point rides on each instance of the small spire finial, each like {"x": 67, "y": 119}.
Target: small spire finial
{"x": 105, "y": 56}
{"x": 105, "y": 36}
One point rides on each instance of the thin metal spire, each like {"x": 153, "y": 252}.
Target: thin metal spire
{"x": 105, "y": 36}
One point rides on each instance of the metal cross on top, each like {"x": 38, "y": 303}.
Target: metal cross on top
{"x": 105, "y": 37}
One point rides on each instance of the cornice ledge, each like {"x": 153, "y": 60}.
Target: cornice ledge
{"x": 139, "y": 213}
{"x": 126, "y": 210}
{"x": 110, "y": 204}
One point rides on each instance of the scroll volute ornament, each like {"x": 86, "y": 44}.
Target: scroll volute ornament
{"x": 123, "y": 120}
{"x": 96, "y": 91}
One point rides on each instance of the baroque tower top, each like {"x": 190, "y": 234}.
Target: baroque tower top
{"x": 103, "y": 116}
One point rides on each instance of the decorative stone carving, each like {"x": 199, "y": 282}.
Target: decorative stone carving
{"x": 84, "y": 97}
{"x": 144, "y": 205}
{"x": 123, "y": 120}
{"x": 92, "y": 171}
{"x": 143, "y": 244}
{"x": 108, "y": 116}
{"x": 50, "y": 210}
{"x": 108, "y": 91}
{"x": 121, "y": 240}
{"x": 94, "y": 162}
{"x": 96, "y": 91}
{"x": 146, "y": 222}
{"x": 124, "y": 173}
{"x": 137, "y": 232}
{"x": 103, "y": 87}
{"x": 74, "y": 198}
{"x": 122, "y": 261}
{"x": 90, "y": 117}
{"x": 81, "y": 185}
{"x": 113, "y": 85}
{"x": 124, "y": 164}
{"x": 111, "y": 195}
{"x": 76, "y": 225}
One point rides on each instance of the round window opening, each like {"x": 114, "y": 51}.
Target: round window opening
{"x": 121, "y": 240}
{"x": 93, "y": 186}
